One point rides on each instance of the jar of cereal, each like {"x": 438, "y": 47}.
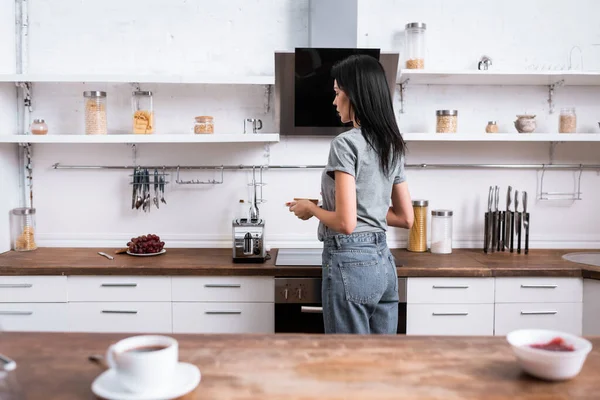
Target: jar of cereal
{"x": 95, "y": 112}
{"x": 567, "y": 121}
{"x": 204, "y": 124}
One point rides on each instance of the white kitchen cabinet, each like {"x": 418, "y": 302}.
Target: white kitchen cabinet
{"x": 119, "y": 288}
{"x": 33, "y": 317}
{"x": 450, "y": 319}
{"x": 591, "y": 307}
{"x": 566, "y": 317}
{"x": 33, "y": 289}
{"x": 539, "y": 290}
{"x": 223, "y": 317}
{"x": 450, "y": 290}
{"x": 125, "y": 317}
{"x": 224, "y": 288}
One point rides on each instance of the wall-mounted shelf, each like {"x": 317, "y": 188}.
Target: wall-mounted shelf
{"x": 493, "y": 77}
{"x": 132, "y": 78}
{"x": 154, "y": 138}
{"x": 501, "y": 137}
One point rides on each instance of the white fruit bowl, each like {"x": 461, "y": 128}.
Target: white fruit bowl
{"x": 545, "y": 364}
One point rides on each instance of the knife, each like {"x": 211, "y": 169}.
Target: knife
{"x": 518, "y": 222}
{"x": 488, "y": 222}
{"x": 495, "y": 221}
{"x": 507, "y": 220}
{"x": 134, "y": 188}
{"x": 526, "y": 222}
{"x": 513, "y": 223}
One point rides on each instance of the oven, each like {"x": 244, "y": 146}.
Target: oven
{"x": 298, "y": 307}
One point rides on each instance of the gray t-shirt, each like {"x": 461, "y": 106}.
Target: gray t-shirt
{"x": 350, "y": 153}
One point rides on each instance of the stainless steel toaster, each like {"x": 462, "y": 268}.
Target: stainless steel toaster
{"x": 248, "y": 241}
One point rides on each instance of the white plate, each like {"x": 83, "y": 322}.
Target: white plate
{"x": 187, "y": 377}
{"x": 163, "y": 251}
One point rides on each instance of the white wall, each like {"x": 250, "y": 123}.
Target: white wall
{"x": 238, "y": 37}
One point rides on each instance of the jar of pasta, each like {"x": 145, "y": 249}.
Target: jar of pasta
{"x": 143, "y": 112}
{"x": 204, "y": 124}
{"x": 22, "y": 225}
{"x": 95, "y": 112}
{"x": 417, "y": 238}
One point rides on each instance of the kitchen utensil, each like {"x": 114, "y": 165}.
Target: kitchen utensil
{"x": 517, "y": 222}
{"x": 106, "y": 255}
{"x": 526, "y": 222}
{"x": 507, "y": 220}
{"x": 488, "y": 222}
{"x": 155, "y": 198}
{"x": 8, "y": 363}
{"x": 255, "y": 123}
{"x": 254, "y": 213}
{"x": 495, "y": 221}
{"x": 139, "y": 201}
{"x": 134, "y": 180}
{"x": 98, "y": 360}
{"x": 162, "y": 190}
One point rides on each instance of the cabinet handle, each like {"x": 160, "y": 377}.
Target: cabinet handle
{"x": 16, "y": 312}
{"x": 311, "y": 310}
{"x": 539, "y": 312}
{"x": 119, "y": 285}
{"x": 223, "y": 285}
{"x": 16, "y": 285}
{"x": 119, "y": 312}
{"x": 437, "y": 314}
{"x": 539, "y": 286}
{"x": 451, "y": 287}
{"x": 222, "y": 312}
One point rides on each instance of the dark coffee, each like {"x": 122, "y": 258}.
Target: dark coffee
{"x": 146, "y": 349}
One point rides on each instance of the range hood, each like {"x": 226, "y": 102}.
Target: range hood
{"x": 333, "y": 23}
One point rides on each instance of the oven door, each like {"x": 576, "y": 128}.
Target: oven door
{"x": 298, "y": 307}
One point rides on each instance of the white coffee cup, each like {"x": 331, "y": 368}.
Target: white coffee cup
{"x": 144, "y": 364}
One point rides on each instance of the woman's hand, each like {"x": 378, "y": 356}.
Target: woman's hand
{"x": 303, "y": 209}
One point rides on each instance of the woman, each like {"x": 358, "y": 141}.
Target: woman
{"x": 364, "y": 171}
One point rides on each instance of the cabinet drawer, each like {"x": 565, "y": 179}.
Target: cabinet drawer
{"x": 566, "y": 317}
{"x": 33, "y": 317}
{"x": 450, "y": 319}
{"x": 223, "y": 289}
{"x": 223, "y": 318}
{"x": 119, "y": 288}
{"x": 33, "y": 289}
{"x": 120, "y": 317}
{"x": 450, "y": 290}
{"x": 542, "y": 290}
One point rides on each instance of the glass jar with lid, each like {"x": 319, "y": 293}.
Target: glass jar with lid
{"x": 204, "y": 124}
{"x": 491, "y": 127}
{"x": 95, "y": 112}
{"x": 414, "y": 48}
{"x": 446, "y": 121}
{"x": 441, "y": 231}
{"x": 39, "y": 127}
{"x": 417, "y": 238}
{"x": 143, "y": 112}
{"x": 22, "y": 224}
{"x": 567, "y": 121}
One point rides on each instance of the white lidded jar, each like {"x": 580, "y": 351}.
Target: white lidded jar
{"x": 415, "y": 45}
{"x": 441, "y": 231}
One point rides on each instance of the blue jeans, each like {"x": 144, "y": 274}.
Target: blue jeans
{"x": 360, "y": 284}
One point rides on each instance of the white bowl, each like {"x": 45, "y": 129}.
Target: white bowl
{"x": 544, "y": 364}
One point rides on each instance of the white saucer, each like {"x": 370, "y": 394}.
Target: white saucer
{"x": 187, "y": 377}
{"x": 163, "y": 251}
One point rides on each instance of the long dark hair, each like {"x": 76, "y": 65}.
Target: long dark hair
{"x": 362, "y": 78}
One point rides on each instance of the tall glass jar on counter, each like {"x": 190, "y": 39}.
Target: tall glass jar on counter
{"x": 567, "y": 121}
{"x": 22, "y": 226}
{"x": 417, "y": 237}
{"x": 414, "y": 48}
{"x": 441, "y": 231}
{"x": 95, "y": 113}
{"x": 143, "y": 112}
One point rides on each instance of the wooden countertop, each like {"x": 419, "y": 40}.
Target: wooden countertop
{"x": 299, "y": 367}
{"x": 461, "y": 263}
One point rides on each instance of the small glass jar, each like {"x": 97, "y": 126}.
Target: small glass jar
{"x": 491, "y": 127}
{"x": 23, "y": 229}
{"x": 441, "y": 231}
{"x": 204, "y": 124}
{"x": 415, "y": 45}
{"x": 143, "y": 112}
{"x": 95, "y": 113}
{"x": 446, "y": 121}
{"x": 39, "y": 127}
{"x": 567, "y": 121}
{"x": 417, "y": 237}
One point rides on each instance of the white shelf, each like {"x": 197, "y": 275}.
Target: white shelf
{"x": 154, "y": 138}
{"x": 105, "y": 78}
{"x": 501, "y": 137}
{"x": 492, "y": 77}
